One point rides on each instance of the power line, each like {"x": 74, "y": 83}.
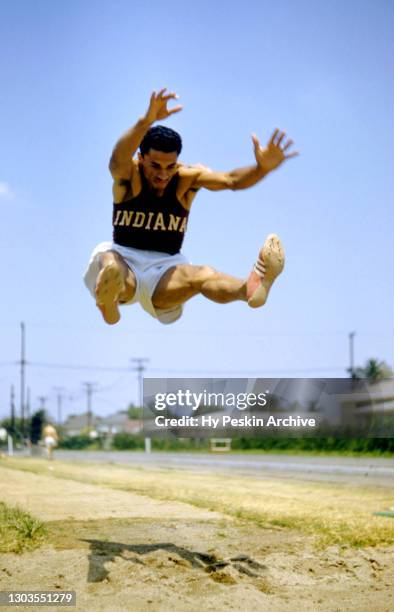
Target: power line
{"x": 68, "y": 366}
{"x": 249, "y": 373}
{"x": 60, "y": 366}
{"x": 205, "y": 332}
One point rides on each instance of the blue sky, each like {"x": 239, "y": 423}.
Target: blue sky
{"x": 75, "y": 75}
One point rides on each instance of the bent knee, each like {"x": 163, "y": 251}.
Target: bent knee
{"x": 201, "y": 274}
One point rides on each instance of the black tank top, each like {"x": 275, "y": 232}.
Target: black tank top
{"x": 150, "y": 222}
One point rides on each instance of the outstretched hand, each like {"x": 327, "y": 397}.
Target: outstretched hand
{"x": 158, "y": 106}
{"x": 275, "y": 153}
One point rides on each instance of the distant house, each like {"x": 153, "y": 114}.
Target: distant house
{"x": 119, "y": 422}
{"x": 375, "y": 399}
{"x": 77, "y": 424}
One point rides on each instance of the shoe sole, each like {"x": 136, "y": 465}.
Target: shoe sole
{"x": 273, "y": 256}
{"x": 109, "y": 286}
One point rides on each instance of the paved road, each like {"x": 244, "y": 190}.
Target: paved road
{"x": 352, "y": 470}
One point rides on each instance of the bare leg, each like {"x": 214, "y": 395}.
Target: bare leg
{"x": 181, "y": 283}
{"x": 115, "y": 284}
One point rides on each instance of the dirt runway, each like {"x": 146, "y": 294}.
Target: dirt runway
{"x": 120, "y": 550}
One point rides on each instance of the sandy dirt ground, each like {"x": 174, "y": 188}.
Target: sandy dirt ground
{"x": 123, "y": 551}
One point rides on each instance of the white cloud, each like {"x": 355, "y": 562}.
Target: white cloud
{"x": 5, "y": 191}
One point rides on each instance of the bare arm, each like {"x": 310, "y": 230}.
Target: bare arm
{"x": 120, "y": 163}
{"x": 121, "y": 159}
{"x": 241, "y": 178}
{"x": 268, "y": 158}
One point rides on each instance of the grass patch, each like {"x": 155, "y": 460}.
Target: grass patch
{"x": 331, "y": 513}
{"x": 19, "y": 531}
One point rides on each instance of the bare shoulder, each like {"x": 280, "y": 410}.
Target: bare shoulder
{"x": 188, "y": 172}
{"x": 187, "y": 177}
{"x": 120, "y": 168}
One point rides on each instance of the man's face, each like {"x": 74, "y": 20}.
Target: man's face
{"x": 158, "y": 168}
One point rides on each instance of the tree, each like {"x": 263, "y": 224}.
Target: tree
{"x": 37, "y": 421}
{"x": 374, "y": 370}
{"x": 133, "y": 412}
{"x": 14, "y": 427}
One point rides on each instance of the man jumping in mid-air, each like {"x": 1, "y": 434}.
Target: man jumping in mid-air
{"x": 153, "y": 195}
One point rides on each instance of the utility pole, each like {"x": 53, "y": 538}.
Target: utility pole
{"x": 140, "y": 369}
{"x": 28, "y": 403}
{"x": 89, "y": 392}
{"x": 28, "y": 414}
{"x": 22, "y": 365}
{"x": 351, "y": 353}
{"x": 12, "y": 407}
{"x": 59, "y": 397}
{"x": 42, "y": 399}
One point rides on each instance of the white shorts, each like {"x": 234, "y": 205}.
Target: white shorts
{"x": 148, "y": 268}
{"x": 49, "y": 441}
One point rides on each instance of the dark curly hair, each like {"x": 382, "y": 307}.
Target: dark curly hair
{"x": 161, "y": 138}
